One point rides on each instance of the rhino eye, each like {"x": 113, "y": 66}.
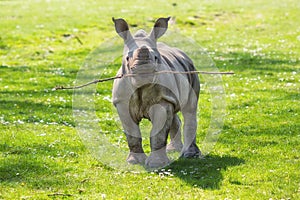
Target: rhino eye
{"x": 156, "y": 58}
{"x": 129, "y": 55}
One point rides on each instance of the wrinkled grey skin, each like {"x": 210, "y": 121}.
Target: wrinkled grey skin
{"x": 157, "y": 97}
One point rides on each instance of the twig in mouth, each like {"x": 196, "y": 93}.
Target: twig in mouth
{"x": 137, "y": 74}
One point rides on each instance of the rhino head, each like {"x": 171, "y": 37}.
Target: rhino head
{"x": 140, "y": 55}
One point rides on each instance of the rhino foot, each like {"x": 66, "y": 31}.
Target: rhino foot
{"x": 157, "y": 159}
{"x": 191, "y": 152}
{"x": 174, "y": 147}
{"x": 136, "y": 158}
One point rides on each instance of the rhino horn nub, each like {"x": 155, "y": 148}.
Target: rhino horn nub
{"x": 143, "y": 52}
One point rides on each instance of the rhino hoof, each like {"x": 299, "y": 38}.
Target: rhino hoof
{"x": 174, "y": 147}
{"x": 157, "y": 160}
{"x": 192, "y": 152}
{"x": 191, "y": 155}
{"x": 136, "y": 158}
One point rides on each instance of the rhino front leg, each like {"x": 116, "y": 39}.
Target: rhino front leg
{"x": 136, "y": 155}
{"x": 190, "y": 148}
{"x": 175, "y": 135}
{"x": 133, "y": 135}
{"x": 161, "y": 116}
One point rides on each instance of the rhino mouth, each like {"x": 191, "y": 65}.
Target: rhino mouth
{"x": 139, "y": 62}
{"x": 143, "y": 70}
{"x": 143, "y": 66}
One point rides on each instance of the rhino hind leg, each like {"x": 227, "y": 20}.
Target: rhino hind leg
{"x": 175, "y": 135}
{"x": 190, "y": 148}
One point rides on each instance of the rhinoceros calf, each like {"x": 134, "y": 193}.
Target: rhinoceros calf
{"x": 154, "y": 96}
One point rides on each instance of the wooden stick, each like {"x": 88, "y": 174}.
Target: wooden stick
{"x": 137, "y": 74}
{"x": 86, "y": 84}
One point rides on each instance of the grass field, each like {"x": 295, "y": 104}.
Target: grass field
{"x": 45, "y": 43}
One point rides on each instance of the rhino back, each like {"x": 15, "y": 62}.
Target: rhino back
{"x": 177, "y": 60}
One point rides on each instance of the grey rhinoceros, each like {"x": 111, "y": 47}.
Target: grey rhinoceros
{"x": 146, "y": 93}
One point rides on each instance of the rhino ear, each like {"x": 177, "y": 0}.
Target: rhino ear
{"x": 160, "y": 27}
{"x": 122, "y": 28}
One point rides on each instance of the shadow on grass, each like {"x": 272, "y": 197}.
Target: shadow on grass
{"x": 38, "y": 166}
{"x": 18, "y": 169}
{"x": 204, "y": 173}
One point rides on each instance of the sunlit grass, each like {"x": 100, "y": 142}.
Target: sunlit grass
{"x": 257, "y": 154}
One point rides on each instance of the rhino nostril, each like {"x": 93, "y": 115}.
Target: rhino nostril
{"x": 144, "y": 50}
{"x": 143, "y": 53}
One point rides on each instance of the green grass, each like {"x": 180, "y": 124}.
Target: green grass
{"x": 257, "y": 155}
